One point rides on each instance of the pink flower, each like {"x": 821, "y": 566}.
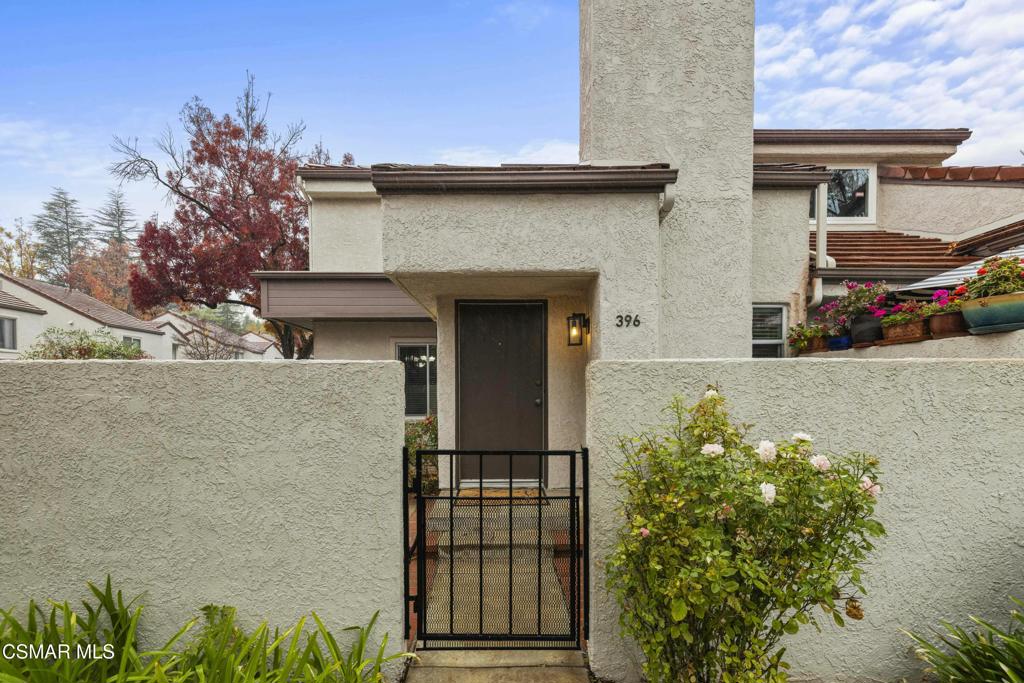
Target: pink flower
{"x": 869, "y": 487}
{"x": 940, "y": 294}
{"x": 852, "y": 285}
{"x": 820, "y": 463}
{"x": 880, "y": 299}
{"x": 645, "y": 532}
{"x": 897, "y": 308}
{"x": 879, "y": 313}
{"x": 869, "y": 285}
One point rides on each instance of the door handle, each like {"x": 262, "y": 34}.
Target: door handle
{"x": 536, "y": 401}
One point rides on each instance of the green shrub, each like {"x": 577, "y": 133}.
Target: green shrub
{"x": 221, "y": 651}
{"x": 986, "y": 654}
{"x": 56, "y": 343}
{"x": 423, "y": 434}
{"x": 726, "y": 547}
{"x": 997, "y": 276}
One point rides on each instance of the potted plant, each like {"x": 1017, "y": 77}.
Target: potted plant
{"x": 807, "y": 338}
{"x": 835, "y": 324}
{"x": 905, "y": 323}
{"x": 856, "y": 306}
{"x": 943, "y": 314}
{"x": 995, "y": 297}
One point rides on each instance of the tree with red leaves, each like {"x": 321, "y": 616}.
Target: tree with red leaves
{"x": 237, "y": 209}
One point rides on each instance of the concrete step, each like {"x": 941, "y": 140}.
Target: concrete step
{"x": 493, "y": 666}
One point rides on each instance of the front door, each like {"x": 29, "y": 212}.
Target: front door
{"x": 502, "y": 394}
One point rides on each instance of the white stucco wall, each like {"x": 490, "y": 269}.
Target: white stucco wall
{"x": 780, "y": 253}
{"x": 31, "y": 325}
{"x": 612, "y": 236}
{"x": 270, "y": 486}
{"x": 947, "y": 435}
{"x": 945, "y": 211}
{"x": 674, "y": 81}
{"x": 999, "y": 345}
{"x": 369, "y": 340}
{"x": 344, "y": 234}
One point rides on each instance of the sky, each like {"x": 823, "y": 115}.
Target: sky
{"x": 458, "y": 81}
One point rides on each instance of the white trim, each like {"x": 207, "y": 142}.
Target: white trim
{"x": 872, "y": 217}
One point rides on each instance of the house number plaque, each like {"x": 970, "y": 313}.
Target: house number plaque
{"x": 627, "y": 320}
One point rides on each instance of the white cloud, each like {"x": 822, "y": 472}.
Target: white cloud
{"x": 834, "y": 18}
{"x": 535, "y": 152}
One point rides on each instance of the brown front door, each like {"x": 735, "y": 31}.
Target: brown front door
{"x": 502, "y": 393}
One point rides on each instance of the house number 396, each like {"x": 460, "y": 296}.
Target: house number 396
{"x": 627, "y": 321}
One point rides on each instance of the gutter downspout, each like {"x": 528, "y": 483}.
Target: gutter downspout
{"x": 821, "y": 258}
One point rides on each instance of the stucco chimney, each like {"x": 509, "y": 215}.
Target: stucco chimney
{"x": 673, "y": 80}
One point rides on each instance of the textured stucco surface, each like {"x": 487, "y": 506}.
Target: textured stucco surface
{"x": 614, "y": 236}
{"x": 673, "y": 80}
{"x": 370, "y": 340}
{"x": 999, "y": 345}
{"x": 947, "y": 433}
{"x": 271, "y": 486}
{"x": 780, "y": 255}
{"x": 945, "y": 211}
{"x": 344, "y": 235}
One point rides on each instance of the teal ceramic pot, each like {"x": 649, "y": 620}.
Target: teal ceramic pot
{"x": 995, "y": 313}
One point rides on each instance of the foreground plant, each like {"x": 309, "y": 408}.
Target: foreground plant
{"x": 987, "y": 653}
{"x": 102, "y": 648}
{"x": 56, "y": 343}
{"x": 726, "y": 547}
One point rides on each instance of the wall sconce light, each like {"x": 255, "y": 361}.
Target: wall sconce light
{"x": 578, "y": 324}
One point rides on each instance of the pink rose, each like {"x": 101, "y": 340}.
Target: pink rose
{"x": 645, "y": 532}
{"x": 869, "y": 487}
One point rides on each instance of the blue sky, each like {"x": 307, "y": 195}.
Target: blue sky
{"x": 460, "y": 81}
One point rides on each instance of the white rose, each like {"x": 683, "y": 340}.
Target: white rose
{"x": 710, "y": 393}
{"x": 712, "y": 449}
{"x": 767, "y": 493}
{"x": 766, "y": 451}
{"x": 821, "y": 462}
{"x": 800, "y": 436}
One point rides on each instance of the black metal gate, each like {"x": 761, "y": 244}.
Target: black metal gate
{"x": 496, "y": 562}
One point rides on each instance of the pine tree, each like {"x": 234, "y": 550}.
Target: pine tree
{"x": 64, "y": 235}
{"x": 115, "y": 219}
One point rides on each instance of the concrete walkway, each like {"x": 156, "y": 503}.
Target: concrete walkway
{"x": 499, "y": 666}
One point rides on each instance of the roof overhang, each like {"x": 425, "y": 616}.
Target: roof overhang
{"x": 916, "y": 146}
{"x": 836, "y": 275}
{"x": 522, "y": 179}
{"x": 304, "y": 297}
{"x": 991, "y": 242}
{"x": 789, "y": 176}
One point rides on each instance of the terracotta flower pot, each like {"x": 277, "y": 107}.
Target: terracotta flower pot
{"x": 906, "y": 332}
{"x": 1000, "y": 313}
{"x": 817, "y": 345}
{"x": 946, "y": 325}
{"x": 865, "y": 330}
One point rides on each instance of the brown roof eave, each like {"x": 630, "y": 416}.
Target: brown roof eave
{"x": 918, "y": 136}
{"x": 783, "y": 179}
{"x": 333, "y": 173}
{"x": 390, "y": 179}
{"x": 991, "y": 242}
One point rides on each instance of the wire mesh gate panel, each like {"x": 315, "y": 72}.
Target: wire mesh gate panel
{"x": 496, "y": 562}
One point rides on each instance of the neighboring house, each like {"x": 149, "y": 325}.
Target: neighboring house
{"x": 195, "y": 338}
{"x": 28, "y": 307}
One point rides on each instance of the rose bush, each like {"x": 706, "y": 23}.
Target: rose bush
{"x": 725, "y": 550}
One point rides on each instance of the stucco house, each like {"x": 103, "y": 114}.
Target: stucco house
{"x": 208, "y": 340}
{"x": 28, "y": 307}
{"x": 681, "y": 233}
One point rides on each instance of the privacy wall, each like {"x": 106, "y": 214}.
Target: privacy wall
{"x": 270, "y": 486}
{"x": 948, "y": 433}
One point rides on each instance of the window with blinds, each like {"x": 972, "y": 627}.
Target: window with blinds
{"x": 420, "y": 362}
{"x": 8, "y": 328}
{"x": 769, "y": 332}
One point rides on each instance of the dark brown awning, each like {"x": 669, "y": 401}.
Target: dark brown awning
{"x": 302, "y": 297}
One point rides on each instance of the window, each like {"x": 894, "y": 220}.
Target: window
{"x": 8, "y": 333}
{"x": 851, "y": 195}
{"x": 174, "y": 351}
{"x": 238, "y": 355}
{"x": 133, "y": 341}
{"x": 420, "y": 378}
{"x": 769, "y": 331}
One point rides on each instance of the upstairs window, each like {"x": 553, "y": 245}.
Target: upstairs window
{"x": 851, "y": 196}
{"x": 420, "y": 362}
{"x": 769, "y": 332}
